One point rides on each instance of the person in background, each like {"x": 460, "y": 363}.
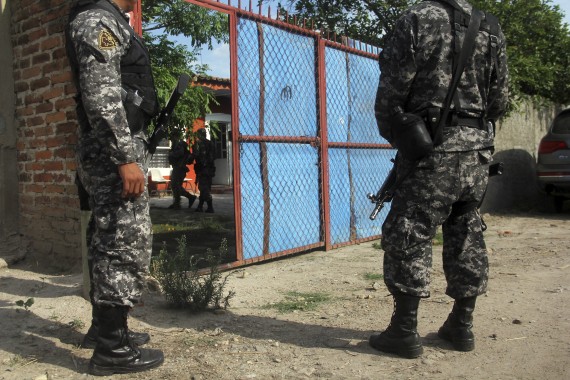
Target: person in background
{"x": 203, "y": 156}
{"x": 178, "y": 158}
{"x": 116, "y": 100}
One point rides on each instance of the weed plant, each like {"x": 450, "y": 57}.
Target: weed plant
{"x": 185, "y": 284}
{"x": 298, "y": 301}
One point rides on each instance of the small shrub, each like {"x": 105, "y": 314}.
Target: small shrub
{"x": 185, "y": 284}
{"x": 25, "y": 304}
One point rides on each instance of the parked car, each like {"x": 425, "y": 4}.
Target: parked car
{"x": 553, "y": 164}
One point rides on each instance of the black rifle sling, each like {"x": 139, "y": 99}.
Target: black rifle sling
{"x": 466, "y": 52}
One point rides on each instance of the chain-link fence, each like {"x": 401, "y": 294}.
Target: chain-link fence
{"x": 309, "y": 145}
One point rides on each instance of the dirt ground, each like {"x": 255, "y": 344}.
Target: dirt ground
{"x": 522, "y": 324}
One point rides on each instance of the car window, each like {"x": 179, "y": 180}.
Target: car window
{"x": 562, "y": 124}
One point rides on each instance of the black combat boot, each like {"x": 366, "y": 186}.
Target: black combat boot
{"x": 401, "y": 337}
{"x": 191, "y": 200}
{"x": 90, "y": 339}
{"x": 210, "y": 208}
{"x": 200, "y": 205}
{"x": 457, "y": 328}
{"x": 115, "y": 352}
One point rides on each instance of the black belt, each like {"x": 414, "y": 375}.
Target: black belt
{"x": 471, "y": 122}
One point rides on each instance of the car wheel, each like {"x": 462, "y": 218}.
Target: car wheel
{"x": 559, "y": 204}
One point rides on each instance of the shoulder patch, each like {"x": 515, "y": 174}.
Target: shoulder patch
{"x": 107, "y": 40}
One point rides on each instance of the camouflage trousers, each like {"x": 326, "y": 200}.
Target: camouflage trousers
{"x": 438, "y": 192}
{"x": 177, "y": 184}
{"x": 119, "y": 235}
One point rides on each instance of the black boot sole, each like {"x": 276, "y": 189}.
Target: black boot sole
{"x": 458, "y": 345}
{"x": 409, "y": 352}
{"x": 108, "y": 370}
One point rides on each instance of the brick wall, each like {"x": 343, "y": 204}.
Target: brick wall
{"x": 46, "y": 131}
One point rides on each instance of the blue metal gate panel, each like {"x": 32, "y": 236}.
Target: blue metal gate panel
{"x": 351, "y": 85}
{"x": 280, "y": 182}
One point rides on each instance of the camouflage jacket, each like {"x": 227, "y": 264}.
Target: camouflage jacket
{"x": 416, "y": 71}
{"x": 100, "y": 41}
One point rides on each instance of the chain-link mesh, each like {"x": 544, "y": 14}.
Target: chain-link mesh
{"x": 280, "y": 209}
{"x": 282, "y": 101}
{"x": 281, "y": 176}
{"x": 352, "y": 81}
{"x": 353, "y": 173}
{"x": 281, "y": 203}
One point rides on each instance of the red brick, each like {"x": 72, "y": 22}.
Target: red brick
{"x": 35, "y": 166}
{"x": 52, "y": 93}
{"x": 59, "y": 54}
{"x": 65, "y": 103}
{"x": 43, "y": 178}
{"x": 54, "y": 66}
{"x": 33, "y": 121}
{"x": 64, "y": 153}
{"x": 51, "y": 42}
{"x": 43, "y": 108}
{"x": 33, "y": 71}
{"x": 41, "y": 58}
{"x": 44, "y": 155}
{"x": 34, "y": 188}
{"x": 68, "y": 128}
{"x": 27, "y": 111}
{"x": 30, "y": 50}
{"x": 55, "y": 117}
{"x": 58, "y": 189}
{"x": 63, "y": 77}
{"x": 36, "y": 34}
{"x": 24, "y": 63}
{"x": 54, "y": 166}
{"x": 39, "y": 83}
{"x": 53, "y": 142}
{"x": 32, "y": 98}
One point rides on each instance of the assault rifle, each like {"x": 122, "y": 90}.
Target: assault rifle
{"x": 392, "y": 182}
{"x": 159, "y": 131}
{"x": 386, "y": 192}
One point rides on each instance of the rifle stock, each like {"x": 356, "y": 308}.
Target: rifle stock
{"x": 159, "y": 131}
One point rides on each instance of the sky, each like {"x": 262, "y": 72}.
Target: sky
{"x": 218, "y": 59}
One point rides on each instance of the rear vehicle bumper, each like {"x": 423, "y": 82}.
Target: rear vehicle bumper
{"x": 554, "y": 182}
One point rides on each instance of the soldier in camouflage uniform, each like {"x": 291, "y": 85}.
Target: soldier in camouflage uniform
{"x": 178, "y": 158}
{"x": 446, "y": 186}
{"x": 203, "y": 155}
{"x": 115, "y": 102}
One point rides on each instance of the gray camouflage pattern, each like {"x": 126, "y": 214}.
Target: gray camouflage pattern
{"x": 416, "y": 71}
{"x": 120, "y": 230}
{"x": 420, "y": 205}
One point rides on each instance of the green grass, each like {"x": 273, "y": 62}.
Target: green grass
{"x": 167, "y": 227}
{"x": 438, "y": 239}
{"x": 373, "y": 276}
{"x": 299, "y": 301}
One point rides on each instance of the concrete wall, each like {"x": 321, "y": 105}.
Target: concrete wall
{"x": 9, "y": 226}
{"x": 516, "y": 144}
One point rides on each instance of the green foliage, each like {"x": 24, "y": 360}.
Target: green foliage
{"x": 25, "y": 304}
{"x": 77, "y": 324}
{"x": 438, "y": 238}
{"x": 163, "y": 23}
{"x": 299, "y": 301}
{"x": 538, "y": 42}
{"x": 538, "y": 47}
{"x": 183, "y": 283}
